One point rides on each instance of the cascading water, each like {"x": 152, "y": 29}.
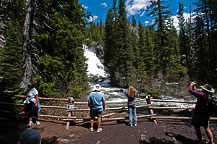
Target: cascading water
{"x": 97, "y": 70}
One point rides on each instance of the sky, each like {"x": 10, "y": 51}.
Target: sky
{"x": 136, "y": 8}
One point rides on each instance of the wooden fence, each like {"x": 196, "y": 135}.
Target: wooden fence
{"x": 71, "y": 107}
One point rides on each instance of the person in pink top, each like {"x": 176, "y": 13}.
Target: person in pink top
{"x": 202, "y": 113}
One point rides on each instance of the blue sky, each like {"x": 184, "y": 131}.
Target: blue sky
{"x": 136, "y": 8}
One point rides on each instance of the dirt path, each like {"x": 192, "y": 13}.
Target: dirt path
{"x": 165, "y": 132}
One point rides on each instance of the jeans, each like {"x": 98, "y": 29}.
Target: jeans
{"x": 132, "y": 111}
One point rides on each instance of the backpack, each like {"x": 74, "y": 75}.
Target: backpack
{"x": 212, "y": 104}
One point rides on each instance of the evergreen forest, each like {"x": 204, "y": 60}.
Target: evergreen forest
{"x": 42, "y": 40}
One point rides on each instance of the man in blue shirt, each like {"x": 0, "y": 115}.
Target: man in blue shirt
{"x": 96, "y": 102}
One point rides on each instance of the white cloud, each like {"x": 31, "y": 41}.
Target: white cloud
{"x": 104, "y": 5}
{"x": 93, "y": 18}
{"x": 147, "y": 22}
{"x": 86, "y": 7}
{"x": 176, "y": 21}
{"x": 136, "y": 7}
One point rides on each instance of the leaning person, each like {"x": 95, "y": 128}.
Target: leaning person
{"x": 31, "y": 103}
{"x": 201, "y": 114}
{"x": 131, "y": 94}
{"x": 96, "y": 102}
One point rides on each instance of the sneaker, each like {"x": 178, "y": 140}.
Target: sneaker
{"x": 99, "y": 129}
{"x": 37, "y": 122}
{"x": 135, "y": 125}
{"x": 91, "y": 129}
{"x": 30, "y": 123}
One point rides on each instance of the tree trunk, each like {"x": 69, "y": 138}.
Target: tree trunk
{"x": 27, "y": 33}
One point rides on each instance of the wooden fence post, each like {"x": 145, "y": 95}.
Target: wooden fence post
{"x": 70, "y": 106}
{"x": 150, "y": 110}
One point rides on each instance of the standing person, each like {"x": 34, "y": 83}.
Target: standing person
{"x": 96, "y": 102}
{"x": 132, "y": 105}
{"x": 201, "y": 114}
{"x": 32, "y": 104}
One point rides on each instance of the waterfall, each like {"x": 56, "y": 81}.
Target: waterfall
{"x": 97, "y": 71}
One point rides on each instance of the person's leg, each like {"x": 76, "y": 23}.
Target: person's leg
{"x": 209, "y": 135}
{"x": 30, "y": 119}
{"x": 198, "y": 134}
{"x": 99, "y": 120}
{"x": 31, "y": 112}
{"x": 134, "y": 116}
{"x": 36, "y": 120}
{"x": 92, "y": 116}
{"x": 36, "y": 115}
{"x": 130, "y": 116}
{"x": 91, "y": 122}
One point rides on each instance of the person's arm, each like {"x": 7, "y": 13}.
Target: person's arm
{"x": 36, "y": 103}
{"x": 89, "y": 101}
{"x": 135, "y": 90}
{"x": 191, "y": 89}
{"x": 103, "y": 102}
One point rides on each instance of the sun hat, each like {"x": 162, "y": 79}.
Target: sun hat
{"x": 208, "y": 88}
{"x": 97, "y": 87}
{"x": 30, "y": 136}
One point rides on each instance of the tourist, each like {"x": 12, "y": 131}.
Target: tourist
{"x": 96, "y": 102}
{"x": 132, "y": 105}
{"x": 32, "y": 103}
{"x": 201, "y": 114}
{"x": 30, "y": 136}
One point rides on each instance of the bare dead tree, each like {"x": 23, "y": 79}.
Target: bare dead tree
{"x": 27, "y": 45}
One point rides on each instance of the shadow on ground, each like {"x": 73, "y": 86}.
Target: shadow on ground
{"x": 11, "y": 123}
{"x": 51, "y": 140}
{"x": 180, "y": 138}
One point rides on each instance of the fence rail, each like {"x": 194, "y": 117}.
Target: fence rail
{"x": 141, "y": 103}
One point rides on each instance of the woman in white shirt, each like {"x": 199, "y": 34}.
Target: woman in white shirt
{"x": 32, "y": 103}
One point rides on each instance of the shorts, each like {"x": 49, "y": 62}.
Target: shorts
{"x": 31, "y": 109}
{"x": 95, "y": 113}
{"x": 200, "y": 119}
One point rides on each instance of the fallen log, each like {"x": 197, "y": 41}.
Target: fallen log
{"x": 60, "y": 117}
{"x": 176, "y": 117}
{"x": 171, "y": 107}
{"x": 177, "y": 101}
{"x": 170, "y": 117}
{"x": 43, "y": 98}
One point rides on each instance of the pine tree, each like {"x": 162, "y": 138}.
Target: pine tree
{"x": 200, "y": 49}
{"x": 109, "y": 39}
{"x": 124, "y": 53}
{"x": 161, "y": 51}
{"x": 59, "y": 35}
{"x": 11, "y": 51}
{"x": 190, "y": 58}
{"x": 182, "y": 36}
{"x": 134, "y": 21}
{"x": 140, "y": 54}
{"x": 167, "y": 54}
